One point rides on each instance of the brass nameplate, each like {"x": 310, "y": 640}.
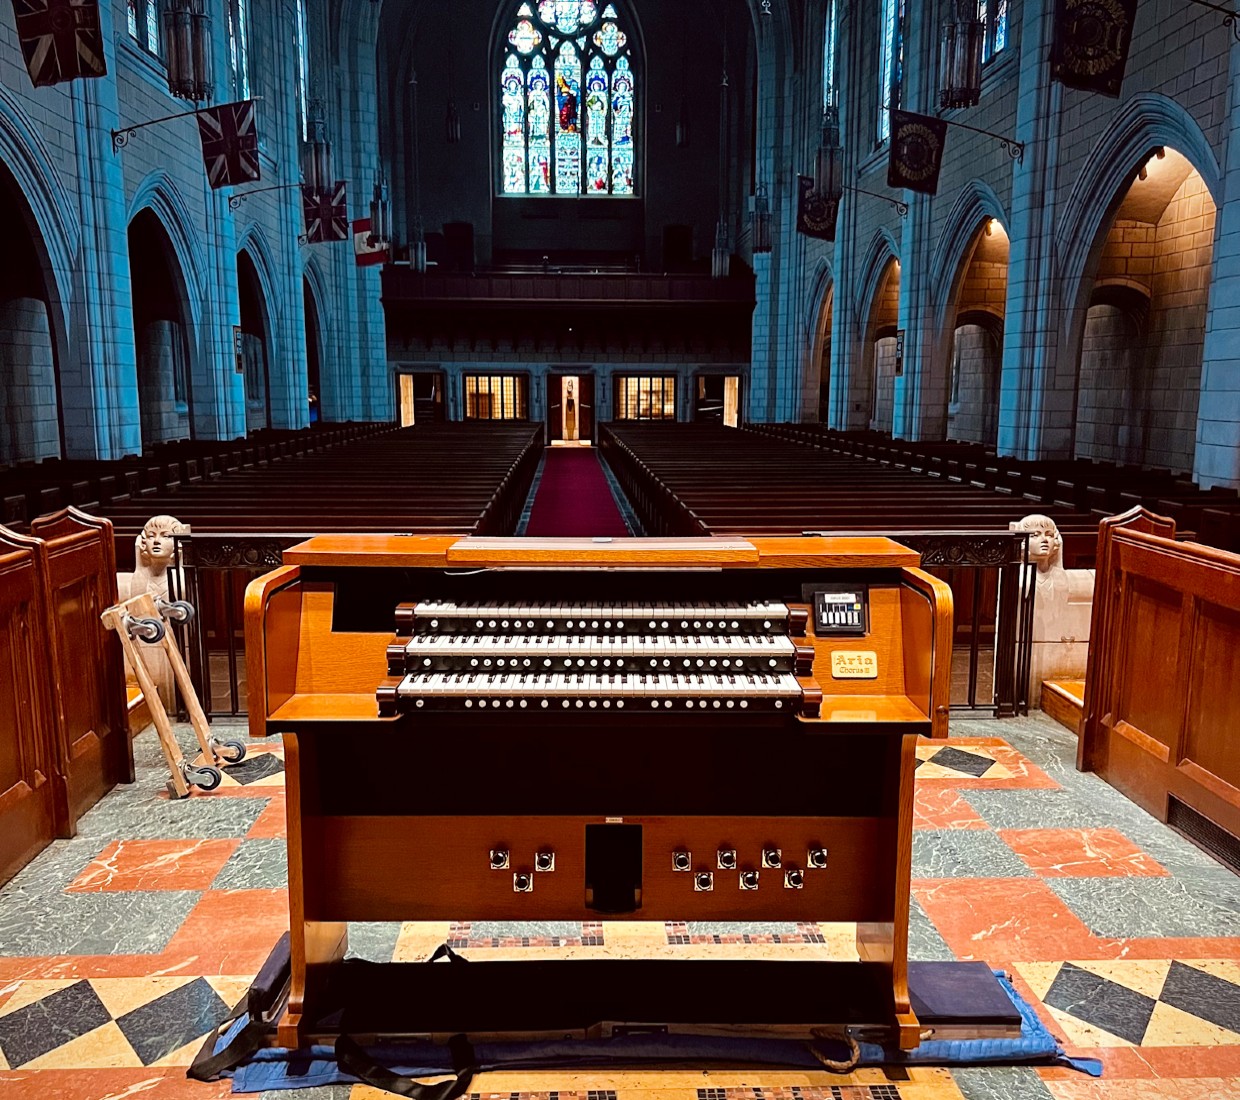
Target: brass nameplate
{"x": 854, "y": 664}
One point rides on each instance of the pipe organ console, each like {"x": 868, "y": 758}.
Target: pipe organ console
{"x": 571, "y": 730}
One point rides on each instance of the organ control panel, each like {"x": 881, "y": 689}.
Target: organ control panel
{"x": 702, "y": 729}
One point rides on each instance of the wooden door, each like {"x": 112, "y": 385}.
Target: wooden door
{"x": 94, "y": 751}
{"x": 555, "y": 407}
{"x": 585, "y": 406}
{"x": 27, "y": 794}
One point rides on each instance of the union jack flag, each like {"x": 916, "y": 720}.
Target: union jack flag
{"x": 229, "y": 136}
{"x": 60, "y": 39}
{"x": 327, "y": 214}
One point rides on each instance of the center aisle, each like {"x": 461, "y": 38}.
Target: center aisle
{"x": 573, "y": 497}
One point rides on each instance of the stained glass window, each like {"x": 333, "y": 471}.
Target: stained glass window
{"x": 994, "y": 17}
{"x": 142, "y": 17}
{"x": 239, "y": 46}
{"x": 829, "y": 51}
{"x": 496, "y": 397}
{"x": 567, "y": 100}
{"x": 302, "y": 43}
{"x": 645, "y": 397}
{"x": 891, "y": 64}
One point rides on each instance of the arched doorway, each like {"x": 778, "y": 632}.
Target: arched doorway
{"x": 252, "y": 344}
{"x": 1139, "y": 377}
{"x": 30, "y": 429}
{"x": 161, "y": 332}
{"x": 817, "y": 392}
{"x": 977, "y": 339}
{"x": 881, "y": 335}
{"x": 314, "y": 349}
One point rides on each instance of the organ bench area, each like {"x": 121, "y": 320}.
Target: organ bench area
{"x": 574, "y": 730}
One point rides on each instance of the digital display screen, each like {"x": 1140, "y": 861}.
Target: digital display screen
{"x": 840, "y": 609}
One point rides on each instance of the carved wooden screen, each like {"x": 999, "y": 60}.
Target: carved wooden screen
{"x": 27, "y": 806}
{"x": 1163, "y": 688}
{"x": 94, "y": 750}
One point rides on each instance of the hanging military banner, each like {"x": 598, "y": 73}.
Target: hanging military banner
{"x": 60, "y": 39}
{"x": 815, "y": 212}
{"x": 1090, "y": 51}
{"x": 327, "y": 214}
{"x": 229, "y": 136}
{"x": 916, "y": 151}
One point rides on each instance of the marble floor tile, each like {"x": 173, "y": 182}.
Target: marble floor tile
{"x": 1101, "y": 1003}
{"x": 140, "y": 922}
{"x": 943, "y": 808}
{"x": 924, "y": 942}
{"x": 1000, "y": 1083}
{"x": 166, "y": 1024}
{"x": 33, "y": 1030}
{"x": 189, "y": 864}
{"x": 964, "y": 853}
{"x": 1081, "y": 853}
{"x": 1147, "y": 907}
{"x": 1001, "y": 919}
{"x": 255, "y": 864}
{"x": 273, "y": 821}
{"x": 373, "y": 941}
{"x": 153, "y": 817}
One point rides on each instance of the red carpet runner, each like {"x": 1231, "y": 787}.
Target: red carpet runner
{"x": 573, "y": 498}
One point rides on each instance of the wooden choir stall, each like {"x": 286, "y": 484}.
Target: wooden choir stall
{"x": 573, "y": 730}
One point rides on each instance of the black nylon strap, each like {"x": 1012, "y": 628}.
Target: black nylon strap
{"x": 207, "y": 1064}
{"x": 355, "y": 1061}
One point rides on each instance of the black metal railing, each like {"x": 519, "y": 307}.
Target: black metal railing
{"x": 993, "y": 584}
{"x": 990, "y": 574}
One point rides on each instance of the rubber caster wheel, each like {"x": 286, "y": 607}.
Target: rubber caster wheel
{"x": 233, "y": 752}
{"x": 178, "y": 611}
{"x": 146, "y": 630}
{"x": 205, "y": 779}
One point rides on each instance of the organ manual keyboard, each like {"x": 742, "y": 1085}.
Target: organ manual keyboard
{"x": 572, "y": 730}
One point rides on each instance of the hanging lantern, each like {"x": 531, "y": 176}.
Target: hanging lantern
{"x": 761, "y": 226}
{"x": 187, "y": 42}
{"x": 380, "y": 214}
{"x": 682, "y": 124}
{"x": 720, "y": 256}
{"x": 417, "y": 247}
{"x": 316, "y": 168}
{"x": 829, "y": 167}
{"x": 452, "y": 123}
{"x": 960, "y": 59}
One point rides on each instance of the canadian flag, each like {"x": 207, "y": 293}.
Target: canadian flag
{"x": 366, "y": 253}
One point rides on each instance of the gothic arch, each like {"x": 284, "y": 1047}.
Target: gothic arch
{"x": 58, "y": 235}
{"x": 975, "y": 203}
{"x": 1142, "y": 123}
{"x": 159, "y": 193}
{"x": 873, "y": 270}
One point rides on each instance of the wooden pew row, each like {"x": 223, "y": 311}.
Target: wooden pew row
{"x": 64, "y": 738}
{"x": 455, "y": 478}
{"x": 1099, "y": 488}
{"x": 692, "y": 479}
{"x": 30, "y": 489}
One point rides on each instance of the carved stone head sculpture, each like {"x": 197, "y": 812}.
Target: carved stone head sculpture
{"x": 154, "y": 548}
{"x": 1045, "y": 545}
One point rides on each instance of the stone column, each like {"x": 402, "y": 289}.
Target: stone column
{"x": 1218, "y": 417}
{"x": 28, "y": 410}
{"x": 1035, "y": 407}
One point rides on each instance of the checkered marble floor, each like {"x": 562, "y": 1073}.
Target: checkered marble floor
{"x": 120, "y": 949}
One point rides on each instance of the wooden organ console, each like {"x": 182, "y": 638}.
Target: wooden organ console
{"x": 575, "y": 730}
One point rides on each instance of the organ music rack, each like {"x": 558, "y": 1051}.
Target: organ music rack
{"x": 739, "y": 758}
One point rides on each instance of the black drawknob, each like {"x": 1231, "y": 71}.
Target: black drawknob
{"x": 704, "y": 881}
{"x": 794, "y": 880}
{"x": 544, "y": 861}
{"x": 521, "y": 883}
{"x": 727, "y": 860}
{"x": 681, "y": 861}
{"x": 818, "y": 857}
{"x": 749, "y": 880}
